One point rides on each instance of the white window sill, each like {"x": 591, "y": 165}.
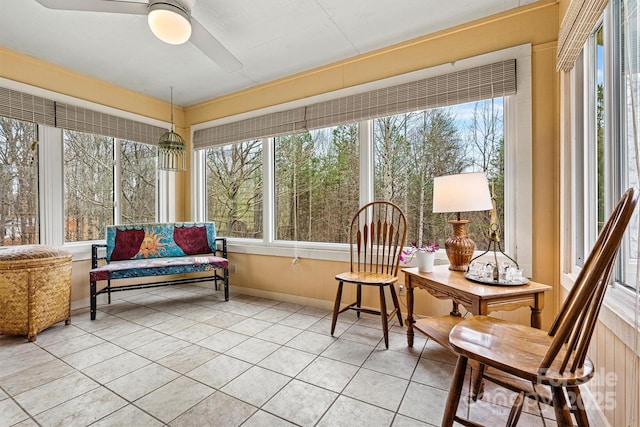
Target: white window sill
{"x": 81, "y": 251}
{"x": 618, "y": 312}
{"x": 319, "y": 251}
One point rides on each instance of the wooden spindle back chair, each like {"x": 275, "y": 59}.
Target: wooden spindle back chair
{"x": 376, "y": 237}
{"x": 557, "y": 359}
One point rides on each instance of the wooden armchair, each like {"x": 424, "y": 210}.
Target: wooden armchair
{"x": 377, "y": 234}
{"x": 551, "y": 366}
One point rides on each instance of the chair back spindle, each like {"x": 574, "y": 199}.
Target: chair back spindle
{"x": 377, "y": 238}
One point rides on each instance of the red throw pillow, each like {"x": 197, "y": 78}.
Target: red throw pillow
{"x": 192, "y": 240}
{"x": 127, "y": 244}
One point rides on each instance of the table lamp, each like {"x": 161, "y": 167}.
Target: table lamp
{"x": 465, "y": 192}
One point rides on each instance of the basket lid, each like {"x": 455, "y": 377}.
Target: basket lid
{"x": 14, "y": 253}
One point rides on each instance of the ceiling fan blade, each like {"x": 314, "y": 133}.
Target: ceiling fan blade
{"x": 211, "y": 47}
{"x": 128, "y": 7}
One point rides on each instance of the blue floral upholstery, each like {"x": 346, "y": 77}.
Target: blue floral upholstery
{"x": 158, "y": 249}
{"x": 159, "y": 240}
{"x": 157, "y": 267}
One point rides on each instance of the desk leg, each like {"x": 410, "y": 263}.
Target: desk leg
{"x": 410, "y": 320}
{"x": 536, "y": 311}
{"x": 454, "y": 311}
{"x": 536, "y": 318}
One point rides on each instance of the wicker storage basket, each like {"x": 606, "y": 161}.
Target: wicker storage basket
{"x": 35, "y": 289}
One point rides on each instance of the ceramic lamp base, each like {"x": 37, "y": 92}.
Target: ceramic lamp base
{"x": 459, "y": 247}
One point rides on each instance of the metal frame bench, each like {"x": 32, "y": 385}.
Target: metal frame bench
{"x": 158, "y": 249}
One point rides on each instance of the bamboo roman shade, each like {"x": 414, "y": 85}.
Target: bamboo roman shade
{"x": 578, "y": 23}
{"x": 273, "y": 124}
{"x": 473, "y": 84}
{"x": 85, "y": 120}
{"x": 30, "y": 108}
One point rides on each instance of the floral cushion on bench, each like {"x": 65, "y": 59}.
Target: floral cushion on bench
{"x": 159, "y": 240}
{"x": 157, "y": 267}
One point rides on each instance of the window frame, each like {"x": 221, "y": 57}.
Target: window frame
{"x": 51, "y": 179}
{"x": 583, "y": 189}
{"x": 578, "y": 189}
{"x": 518, "y": 165}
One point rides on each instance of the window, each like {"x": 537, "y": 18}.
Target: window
{"x": 316, "y": 184}
{"x": 234, "y": 188}
{"x": 68, "y": 167}
{"x": 88, "y": 185}
{"x": 599, "y": 119}
{"x": 19, "y": 223}
{"x": 327, "y": 155}
{"x": 90, "y": 172}
{"x": 610, "y": 125}
{"x": 412, "y": 149}
{"x": 138, "y": 181}
{"x": 630, "y": 127}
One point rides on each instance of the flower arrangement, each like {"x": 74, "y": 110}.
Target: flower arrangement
{"x": 414, "y": 248}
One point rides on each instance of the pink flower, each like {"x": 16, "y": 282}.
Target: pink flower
{"x": 411, "y": 251}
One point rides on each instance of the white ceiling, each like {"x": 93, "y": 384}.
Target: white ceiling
{"x": 271, "y": 38}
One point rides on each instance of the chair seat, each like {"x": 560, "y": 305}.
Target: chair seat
{"x": 517, "y": 384}
{"x": 367, "y": 278}
{"x": 492, "y": 342}
{"x": 438, "y": 328}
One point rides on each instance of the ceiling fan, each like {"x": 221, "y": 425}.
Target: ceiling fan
{"x": 169, "y": 20}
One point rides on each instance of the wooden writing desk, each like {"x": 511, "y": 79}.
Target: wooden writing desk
{"x": 481, "y": 299}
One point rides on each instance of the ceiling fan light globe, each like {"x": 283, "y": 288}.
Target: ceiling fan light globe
{"x": 169, "y": 23}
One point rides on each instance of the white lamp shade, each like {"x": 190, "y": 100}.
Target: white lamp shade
{"x": 463, "y": 192}
{"x": 169, "y": 23}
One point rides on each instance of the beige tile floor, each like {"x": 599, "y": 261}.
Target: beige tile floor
{"x": 182, "y": 356}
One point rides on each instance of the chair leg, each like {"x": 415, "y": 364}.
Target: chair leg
{"x": 358, "y": 299}
{"x": 336, "y": 308}
{"x": 477, "y": 383}
{"x": 579, "y": 411}
{"x": 563, "y": 416}
{"x": 396, "y": 303}
{"x": 455, "y": 391}
{"x": 383, "y": 315}
{"x": 516, "y": 410}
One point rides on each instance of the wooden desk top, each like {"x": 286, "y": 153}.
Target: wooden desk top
{"x": 442, "y": 276}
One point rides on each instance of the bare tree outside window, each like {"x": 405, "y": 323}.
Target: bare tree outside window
{"x": 19, "y": 221}
{"x": 138, "y": 178}
{"x": 317, "y": 174}
{"x": 234, "y": 189}
{"x": 88, "y": 185}
{"x": 89, "y": 174}
{"x": 412, "y": 149}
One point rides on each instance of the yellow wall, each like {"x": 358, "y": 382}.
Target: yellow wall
{"x": 536, "y": 24}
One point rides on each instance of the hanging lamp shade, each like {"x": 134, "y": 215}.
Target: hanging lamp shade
{"x": 172, "y": 150}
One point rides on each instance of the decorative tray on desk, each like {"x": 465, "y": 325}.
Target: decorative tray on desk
{"x": 474, "y": 278}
